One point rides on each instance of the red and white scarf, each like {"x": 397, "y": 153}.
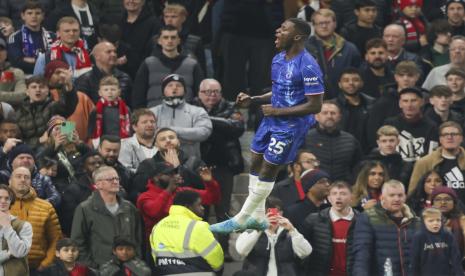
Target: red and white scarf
{"x": 82, "y": 56}
{"x": 124, "y": 122}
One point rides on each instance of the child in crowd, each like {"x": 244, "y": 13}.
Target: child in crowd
{"x": 66, "y": 253}
{"x": 434, "y": 250}
{"x": 111, "y": 114}
{"x": 413, "y": 23}
{"x": 48, "y": 167}
{"x": 124, "y": 261}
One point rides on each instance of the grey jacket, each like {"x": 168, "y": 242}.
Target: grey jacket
{"x": 19, "y": 244}
{"x": 136, "y": 266}
{"x": 94, "y": 229}
{"x": 190, "y": 122}
{"x": 132, "y": 154}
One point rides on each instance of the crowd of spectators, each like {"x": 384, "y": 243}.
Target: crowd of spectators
{"x": 119, "y": 135}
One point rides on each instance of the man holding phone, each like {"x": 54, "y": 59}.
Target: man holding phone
{"x": 281, "y": 235}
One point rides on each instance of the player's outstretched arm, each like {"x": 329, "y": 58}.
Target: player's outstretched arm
{"x": 245, "y": 100}
{"x": 312, "y": 106}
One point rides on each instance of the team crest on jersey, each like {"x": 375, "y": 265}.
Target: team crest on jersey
{"x": 288, "y": 75}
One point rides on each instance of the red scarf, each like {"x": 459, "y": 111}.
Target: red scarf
{"x": 124, "y": 122}
{"x": 82, "y": 56}
{"x": 414, "y": 28}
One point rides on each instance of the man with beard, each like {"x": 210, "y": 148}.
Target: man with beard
{"x": 141, "y": 145}
{"x": 455, "y": 11}
{"x": 168, "y": 144}
{"x": 354, "y": 104}
{"x": 376, "y": 74}
{"x": 337, "y": 150}
{"x": 109, "y": 148}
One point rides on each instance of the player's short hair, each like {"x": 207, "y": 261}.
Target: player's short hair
{"x": 431, "y": 212}
{"x": 324, "y": 13}
{"x": 339, "y": 184}
{"x": 350, "y": 71}
{"x": 451, "y": 124}
{"x": 364, "y": 3}
{"x": 456, "y": 72}
{"x": 375, "y": 43}
{"x": 387, "y": 130}
{"x": 407, "y": 67}
{"x": 440, "y": 91}
{"x": 302, "y": 27}
{"x": 109, "y": 80}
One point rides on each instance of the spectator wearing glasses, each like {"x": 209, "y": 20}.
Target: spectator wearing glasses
{"x": 448, "y": 160}
{"x": 103, "y": 216}
{"x": 445, "y": 199}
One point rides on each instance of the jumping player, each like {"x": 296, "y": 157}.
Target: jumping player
{"x": 297, "y": 93}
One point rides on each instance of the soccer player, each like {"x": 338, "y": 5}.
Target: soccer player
{"x": 297, "y": 93}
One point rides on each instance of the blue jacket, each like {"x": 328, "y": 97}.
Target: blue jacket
{"x": 377, "y": 237}
{"x": 435, "y": 254}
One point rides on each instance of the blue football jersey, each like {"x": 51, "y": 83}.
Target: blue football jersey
{"x": 294, "y": 79}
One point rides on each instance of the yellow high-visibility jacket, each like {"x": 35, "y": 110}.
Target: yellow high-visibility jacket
{"x": 182, "y": 243}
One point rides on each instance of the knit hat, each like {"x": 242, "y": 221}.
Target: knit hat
{"x": 312, "y": 178}
{"x": 17, "y": 150}
{"x": 455, "y": 1}
{"x": 443, "y": 190}
{"x": 170, "y": 78}
{"x": 54, "y": 121}
{"x": 406, "y": 3}
{"x": 52, "y": 66}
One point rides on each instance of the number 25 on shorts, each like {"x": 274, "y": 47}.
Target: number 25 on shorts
{"x": 276, "y": 147}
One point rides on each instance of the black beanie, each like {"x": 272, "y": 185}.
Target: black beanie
{"x": 170, "y": 78}
{"x": 17, "y": 150}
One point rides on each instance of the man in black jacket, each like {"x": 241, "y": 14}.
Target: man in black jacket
{"x": 330, "y": 233}
{"x": 105, "y": 65}
{"x": 337, "y": 150}
{"x": 354, "y": 104}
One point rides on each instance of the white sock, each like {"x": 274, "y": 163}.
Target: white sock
{"x": 255, "y": 199}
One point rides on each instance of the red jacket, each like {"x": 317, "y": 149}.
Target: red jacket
{"x": 154, "y": 204}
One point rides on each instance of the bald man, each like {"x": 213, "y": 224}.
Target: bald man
{"x": 105, "y": 64}
{"x": 394, "y": 36}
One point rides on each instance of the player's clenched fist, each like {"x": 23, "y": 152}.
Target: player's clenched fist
{"x": 243, "y": 100}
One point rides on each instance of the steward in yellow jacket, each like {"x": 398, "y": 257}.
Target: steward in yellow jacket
{"x": 182, "y": 243}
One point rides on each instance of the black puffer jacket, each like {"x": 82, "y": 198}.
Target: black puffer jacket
{"x": 222, "y": 148}
{"x": 89, "y": 83}
{"x": 338, "y": 152}
{"x": 318, "y": 232}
